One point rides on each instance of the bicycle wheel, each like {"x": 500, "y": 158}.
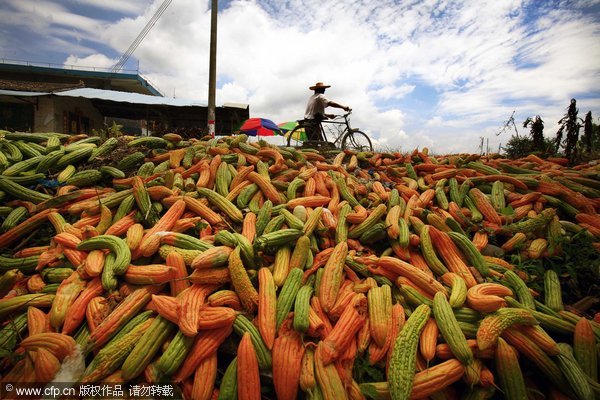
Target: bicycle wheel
{"x": 356, "y": 141}
{"x": 295, "y": 135}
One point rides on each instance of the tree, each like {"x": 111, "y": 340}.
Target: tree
{"x": 570, "y": 124}
{"x": 537, "y": 132}
{"x": 518, "y": 146}
{"x": 588, "y": 132}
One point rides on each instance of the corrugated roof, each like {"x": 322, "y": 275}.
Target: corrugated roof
{"x": 111, "y": 95}
{"x": 131, "y": 82}
{"x": 126, "y": 97}
{"x": 236, "y": 105}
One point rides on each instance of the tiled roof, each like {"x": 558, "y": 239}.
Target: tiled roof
{"x": 28, "y": 86}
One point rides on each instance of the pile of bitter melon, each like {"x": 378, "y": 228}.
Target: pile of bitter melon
{"x": 233, "y": 269}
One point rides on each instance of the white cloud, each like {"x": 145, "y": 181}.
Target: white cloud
{"x": 99, "y": 61}
{"x": 436, "y": 121}
{"x": 392, "y": 92}
{"x": 48, "y": 16}
{"x": 41, "y": 27}
{"x": 125, "y": 7}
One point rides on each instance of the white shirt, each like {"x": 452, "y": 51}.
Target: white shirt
{"x": 316, "y": 105}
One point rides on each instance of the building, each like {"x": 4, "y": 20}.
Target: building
{"x": 48, "y": 99}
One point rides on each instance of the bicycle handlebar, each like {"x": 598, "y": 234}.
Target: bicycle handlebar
{"x": 335, "y": 117}
{"x": 342, "y": 115}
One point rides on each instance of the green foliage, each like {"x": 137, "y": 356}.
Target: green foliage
{"x": 573, "y": 147}
{"x": 518, "y": 146}
{"x": 364, "y": 372}
{"x": 578, "y": 265}
{"x": 522, "y": 146}
{"x": 537, "y": 132}
{"x": 199, "y": 226}
{"x": 109, "y": 131}
{"x": 570, "y": 123}
{"x": 535, "y": 270}
{"x": 508, "y": 210}
{"x": 588, "y": 132}
{"x": 595, "y": 137}
{"x": 115, "y": 129}
{"x": 580, "y": 261}
{"x": 369, "y": 392}
{"x": 589, "y": 145}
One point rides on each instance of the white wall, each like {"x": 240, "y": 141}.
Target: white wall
{"x": 49, "y": 114}
{"x": 44, "y": 119}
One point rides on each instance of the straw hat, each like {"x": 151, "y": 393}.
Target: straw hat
{"x": 319, "y": 85}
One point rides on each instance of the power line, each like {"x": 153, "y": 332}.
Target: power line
{"x": 141, "y": 36}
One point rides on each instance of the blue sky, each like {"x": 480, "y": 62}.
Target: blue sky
{"x": 438, "y": 74}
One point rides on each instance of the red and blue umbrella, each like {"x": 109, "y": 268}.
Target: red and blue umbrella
{"x": 260, "y": 127}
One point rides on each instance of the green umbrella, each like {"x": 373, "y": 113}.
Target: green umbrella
{"x": 287, "y": 127}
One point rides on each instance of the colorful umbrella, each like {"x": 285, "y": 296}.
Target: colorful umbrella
{"x": 260, "y": 127}
{"x": 287, "y": 127}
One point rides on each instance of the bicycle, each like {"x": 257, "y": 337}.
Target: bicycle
{"x": 348, "y": 139}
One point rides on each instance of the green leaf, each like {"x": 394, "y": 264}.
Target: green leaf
{"x": 508, "y": 210}
{"x": 364, "y": 372}
{"x": 5, "y": 353}
{"x": 200, "y": 226}
{"x": 369, "y": 391}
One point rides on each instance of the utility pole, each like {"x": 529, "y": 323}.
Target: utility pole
{"x": 212, "y": 69}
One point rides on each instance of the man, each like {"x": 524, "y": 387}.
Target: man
{"x": 315, "y": 110}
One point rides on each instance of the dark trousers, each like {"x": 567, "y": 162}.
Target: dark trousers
{"x": 312, "y": 128}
